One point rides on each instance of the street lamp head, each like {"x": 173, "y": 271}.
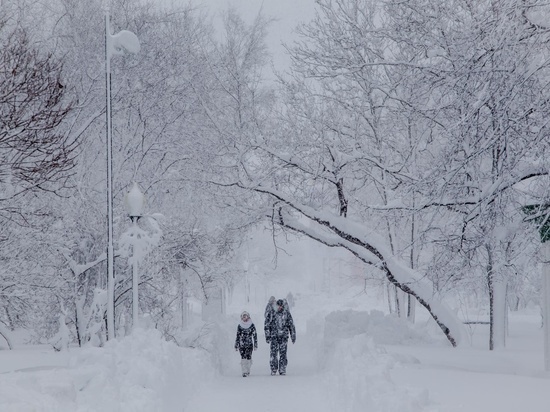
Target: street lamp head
{"x": 135, "y": 200}
{"x": 123, "y": 41}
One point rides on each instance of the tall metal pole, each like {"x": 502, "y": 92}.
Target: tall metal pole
{"x": 135, "y": 278}
{"x": 546, "y": 302}
{"x": 110, "y": 248}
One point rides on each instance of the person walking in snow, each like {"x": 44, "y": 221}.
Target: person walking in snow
{"x": 290, "y": 299}
{"x": 270, "y": 308}
{"x": 268, "y": 313}
{"x": 279, "y": 327}
{"x": 286, "y": 306}
{"x": 246, "y": 341}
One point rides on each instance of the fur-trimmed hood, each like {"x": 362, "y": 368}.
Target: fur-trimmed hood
{"x": 248, "y": 323}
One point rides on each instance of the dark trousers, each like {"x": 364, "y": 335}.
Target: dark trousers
{"x": 277, "y": 357}
{"x": 246, "y": 352}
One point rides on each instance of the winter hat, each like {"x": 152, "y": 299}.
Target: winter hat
{"x": 245, "y": 324}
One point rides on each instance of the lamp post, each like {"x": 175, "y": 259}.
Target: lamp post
{"x": 134, "y": 204}
{"x": 540, "y": 214}
{"x": 114, "y": 45}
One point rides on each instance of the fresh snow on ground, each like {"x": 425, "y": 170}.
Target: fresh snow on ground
{"x": 348, "y": 357}
{"x": 302, "y": 389}
{"x": 138, "y": 373}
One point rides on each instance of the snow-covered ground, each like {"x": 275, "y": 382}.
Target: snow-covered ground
{"x": 349, "y": 356}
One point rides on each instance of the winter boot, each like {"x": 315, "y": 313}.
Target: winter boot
{"x": 248, "y": 365}
{"x": 244, "y": 364}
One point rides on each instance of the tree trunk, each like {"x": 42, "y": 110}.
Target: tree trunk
{"x": 411, "y": 309}
{"x": 499, "y": 312}
{"x": 497, "y": 304}
{"x": 4, "y": 332}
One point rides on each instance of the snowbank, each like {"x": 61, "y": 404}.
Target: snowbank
{"x": 141, "y": 372}
{"x": 357, "y": 369}
{"x": 382, "y": 328}
{"x": 358, "y": 376}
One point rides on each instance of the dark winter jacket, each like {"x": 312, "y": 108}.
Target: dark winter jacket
{"x": 280, "y": 325}
{"x": 246, "y": 335}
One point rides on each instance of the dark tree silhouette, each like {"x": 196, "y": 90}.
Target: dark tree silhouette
{"x": 34, "y": 147}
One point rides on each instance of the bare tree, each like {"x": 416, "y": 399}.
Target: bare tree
{"x": 35, "y": 153}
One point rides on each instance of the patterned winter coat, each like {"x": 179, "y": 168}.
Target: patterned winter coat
{"x": 280, "y": 324}
{"x": 270, "y": 308}
{"x": 246, "y": 335}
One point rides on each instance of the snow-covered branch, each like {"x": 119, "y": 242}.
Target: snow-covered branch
{"x": 368, "y": 246}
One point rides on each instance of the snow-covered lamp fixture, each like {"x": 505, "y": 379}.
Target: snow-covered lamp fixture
{"x": 123, "y": 41}
{"x": 135, "y": 201}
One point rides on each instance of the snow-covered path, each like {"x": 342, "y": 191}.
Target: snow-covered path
{"x": 302, "y": 389}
